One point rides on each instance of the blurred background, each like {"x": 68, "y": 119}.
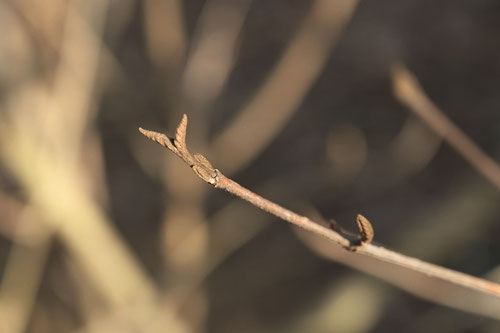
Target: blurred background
{"x": 102, "y": 230}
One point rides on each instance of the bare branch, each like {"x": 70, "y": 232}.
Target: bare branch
{"x": 202, "y": 167}
{"x": 292, "y": 76}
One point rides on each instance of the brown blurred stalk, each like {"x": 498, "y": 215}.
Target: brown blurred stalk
{"x": 285, "y": 87}
{"x": 409, "y": 92}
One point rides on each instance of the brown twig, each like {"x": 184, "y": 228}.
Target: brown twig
{"x": 205, "y": 171}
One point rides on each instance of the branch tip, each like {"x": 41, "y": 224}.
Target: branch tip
{"x": 142, "y": 130}
{"x": 200, "y": 165}
{"x": 180, "y": 134}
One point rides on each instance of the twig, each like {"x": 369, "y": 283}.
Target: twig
{"x": 202, "y": 167}
{"x": 409, "y": 92}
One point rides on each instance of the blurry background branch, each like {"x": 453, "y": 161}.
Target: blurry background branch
{"x": 285, "y": 87}
{"x": 43, "y": 129}
{"x": 409, "y": 92}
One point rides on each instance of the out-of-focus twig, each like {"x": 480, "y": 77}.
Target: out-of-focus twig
{"x": 409, "y": 92}
{"x": 10, "y": 210}
{"x": 42, "y": 134}
{"x": 285, "y": 87}
{"x": 165, "y": 32}
{"x": 212, "y": 56}
{"x": 333, "y": 310}
{"x": 23, "y": 272}
{"x": 206, "y": 172}
{"x": 226, "y": 238}
{"x": 413, "y": 148}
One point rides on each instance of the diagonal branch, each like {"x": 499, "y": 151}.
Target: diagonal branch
{"x": 202, "y": 167}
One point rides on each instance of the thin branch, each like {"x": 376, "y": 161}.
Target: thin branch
{"x": 409, "y": 92}
{"x": 205, "y": 171}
